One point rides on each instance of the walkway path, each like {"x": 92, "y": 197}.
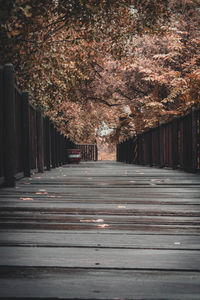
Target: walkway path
{"x": 101, "y": 231}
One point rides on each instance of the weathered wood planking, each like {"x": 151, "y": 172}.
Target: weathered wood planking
{"x": 101, "y": 231}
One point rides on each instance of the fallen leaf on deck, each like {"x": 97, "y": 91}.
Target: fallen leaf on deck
{"x": 92, "y": 221}
{"x": 99, "y": 220}
{"x": 41, "y": 193}
{"x": 103, "y": 226}
{"x": 87, "y": 221}
{"x": 26, "y": 199}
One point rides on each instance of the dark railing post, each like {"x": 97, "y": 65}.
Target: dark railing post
{"x": 33, "y": 137}
{"x": 175, "y": 152}
{"x": 64, "y": 151}
{"x": 53, "y": 146}
{"x": 96, "y": 152}
{"x": 62, "y": 148}
{"x": 40, "y": 144}
{"x": 10, "y": 126}
{"x": 185, "y": 144}
{"x": 194, "y": 140}
{"x": 119, "y": 152}
{"x": 198, "y": 141}
{"x": 123, "y": 151}
{"x": 142, "y": 156}
{"x": 26, "y": 134}
{"x": 137, "y": 157}
{"x": 92, "y": 154}
{"x": 128, "y": 151}
{"x": 188, "y": 143}
{"x": 58, "y": 143}
{"x": 59, "y": 151}
{"x": 1, "y": 128}
{"x": 150, "y": 147}
{"x": 56, "y": 148}
{"x": 161, "y": 142}
{"x": 84, "y": 156}
{"x": 89, "y": 150}
{"x": 47, "y": 144}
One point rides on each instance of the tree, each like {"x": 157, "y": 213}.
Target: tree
{"x": 128, "y": 64}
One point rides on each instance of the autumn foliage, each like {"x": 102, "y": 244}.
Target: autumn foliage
{"x": 126, "y": 65}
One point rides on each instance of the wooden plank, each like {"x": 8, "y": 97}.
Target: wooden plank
{"x": 100, "y": 240}
{"x": 19, "y": 217}
{"x": 110, "y": 209}
{"x": 156, "y": 229}
{"x": 141, "y": 259}
{"x": 72, "y": 197}
{"x": 98, "y": 284}
{"x": 149, "y": 248}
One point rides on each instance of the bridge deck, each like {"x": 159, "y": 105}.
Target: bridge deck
{"x": 101, "y": 230}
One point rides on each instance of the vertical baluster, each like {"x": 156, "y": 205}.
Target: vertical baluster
{"x": 26, "y": 134}
{"x": 40, "y": 141}
{"x": 10, "y": 126}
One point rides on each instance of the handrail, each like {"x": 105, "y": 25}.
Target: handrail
{"x": 29, "y": 140}
{"x": 175, "y": 144}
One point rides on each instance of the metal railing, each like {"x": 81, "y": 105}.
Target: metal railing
{"x": 175, "y": 144}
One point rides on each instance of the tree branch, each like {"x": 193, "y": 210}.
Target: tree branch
{"x": 102, "y": 101}
{"x": 51, "y": 32}
{"x": 93, "y": 67}
{"x": 122, "y": 94}
{"x": 127, "y": 97}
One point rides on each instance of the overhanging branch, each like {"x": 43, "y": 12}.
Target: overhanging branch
{"x": 102, "y": 101}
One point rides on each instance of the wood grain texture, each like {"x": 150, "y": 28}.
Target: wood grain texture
{"x": 101, "y": 230}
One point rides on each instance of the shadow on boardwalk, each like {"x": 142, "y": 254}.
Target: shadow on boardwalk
{"x": 101, "y": 230}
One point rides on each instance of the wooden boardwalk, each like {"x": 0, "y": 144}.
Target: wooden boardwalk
{"x": 101, "y": 230}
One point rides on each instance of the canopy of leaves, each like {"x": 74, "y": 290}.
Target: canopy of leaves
{"x": 128, "y": 64}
